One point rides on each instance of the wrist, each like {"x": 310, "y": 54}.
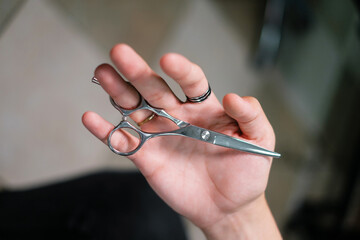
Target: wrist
{"x": 253, "y": 221}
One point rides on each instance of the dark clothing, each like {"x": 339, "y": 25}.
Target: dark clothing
{"x": 108, "y": 205}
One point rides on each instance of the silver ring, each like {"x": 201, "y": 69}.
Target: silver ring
{"x": 201, "y": 98}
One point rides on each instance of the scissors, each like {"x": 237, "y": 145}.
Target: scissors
{"x": 185, "y": 129}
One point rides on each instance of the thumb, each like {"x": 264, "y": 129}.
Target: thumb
{"x": 249, "y": 115}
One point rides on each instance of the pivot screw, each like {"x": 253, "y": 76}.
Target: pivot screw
{"x": 205, "y": 135}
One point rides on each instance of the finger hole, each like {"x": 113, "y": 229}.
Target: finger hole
{"x": 124, "y": 141}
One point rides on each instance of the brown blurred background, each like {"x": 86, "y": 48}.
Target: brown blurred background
{"x": 300, "y": 58}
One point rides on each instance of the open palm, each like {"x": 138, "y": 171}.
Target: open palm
{"x": 201, "y": 181}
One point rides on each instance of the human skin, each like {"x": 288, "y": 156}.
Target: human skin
{"x": 220, "y": 190}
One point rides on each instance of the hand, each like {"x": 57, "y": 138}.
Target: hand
{"x": 209, "y": 185}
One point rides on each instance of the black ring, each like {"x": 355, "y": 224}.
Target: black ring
{"x": 201, "y": 98}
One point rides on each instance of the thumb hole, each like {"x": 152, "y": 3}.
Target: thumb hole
{"x": 124, "y": 141}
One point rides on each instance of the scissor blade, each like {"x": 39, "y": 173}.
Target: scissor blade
{"x": 238, "y": 144}
{"x": 223, "y": 140}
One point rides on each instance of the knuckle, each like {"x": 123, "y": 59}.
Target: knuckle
{"x": 156, "y": 97}
{"x": 195, "y": 77}
{"x": 184, "y": 76}
{"x": 138, "y": 72}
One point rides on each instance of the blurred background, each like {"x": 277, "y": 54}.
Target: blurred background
{"x": 300, "y": 58}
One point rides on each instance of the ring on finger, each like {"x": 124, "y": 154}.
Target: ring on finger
{"x": 200, "y": 98}
{"x": 149, "y": 118}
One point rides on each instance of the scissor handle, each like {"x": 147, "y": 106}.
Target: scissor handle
{"x": 143, "y": 136}
{"x": 144, "y": 105}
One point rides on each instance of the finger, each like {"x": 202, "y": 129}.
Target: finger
{"x": 188, "y": 75}
{"x": 122, "y": 92}
{"x": 152, "y": 87}
{"x": 248, "y": 113}
{"x": 100, "y": 128}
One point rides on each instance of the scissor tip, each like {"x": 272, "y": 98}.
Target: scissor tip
{"x": 94, "y": 80}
